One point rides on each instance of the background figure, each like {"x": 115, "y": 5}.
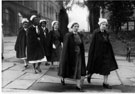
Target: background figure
{"x": 44, "y": 39}
{"x": 55, "y": 39}
{"x": 128, "y": 52}
{"x": 63, "y": 21}
{"x": 72, "y": 63}
{"x": 101, "y": 58}
{"x": 21, "y": 42}
{"x": 35, "y": 49}
{"x": 2, "y": 54}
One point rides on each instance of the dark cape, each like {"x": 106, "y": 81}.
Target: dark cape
{"x": 21, "y": 43}
{"x": 44, "y": 35}
{"x": 101, "y": 57}
{"x": 35, "y": 49}
{"x": 55, "y": 38}
{"x": 72, "y": 64}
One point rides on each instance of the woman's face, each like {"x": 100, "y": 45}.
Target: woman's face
{"x": 43, "y": 24}
{"x": 56, "y": 26}
{"x": 103, "y": 26}
{"x": 25, "y": 25}
{"x": 75, "y": 27}
{"x": 36, "y": 21}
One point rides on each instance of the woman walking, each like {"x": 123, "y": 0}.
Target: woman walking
{"x": 35, "y": 48}
{"x": 72, "y": 62}
{"x": 55, "y": 39}
{"x": 21, "y": 42}
{"x": 101, "y": 58}
{"x": 44, "y": 39}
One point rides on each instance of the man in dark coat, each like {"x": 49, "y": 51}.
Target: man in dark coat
{"x": 101, "y": 58}
{"x": 72, "y": 62}
{"x": 35, "y": 48}
{"x": 21, "y": 42}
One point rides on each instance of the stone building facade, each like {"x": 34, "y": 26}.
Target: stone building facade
{"x": 14, "y": 11}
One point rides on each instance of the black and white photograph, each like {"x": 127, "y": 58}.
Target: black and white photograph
{"x": 68, "y": 46}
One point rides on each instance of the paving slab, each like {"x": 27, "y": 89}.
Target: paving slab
{"x": 132, "y": 79}
{"x": 44, "y": 67}
{"x": 57, "y": 87}
{"x": 31, "y": 76}
{"x": 113, "y": 79}
{"x": 96, "y": 82}
{"x": 127, "y": 82}
{"x": 97, "y": 76}
{"x": 125, "y": 73}
{"x": 125, "y": 63}
{"x": 20, "y": 84}
{"x": 51, "y": 79}
{"x": 9, "y": 54}
{"x": 9, "y": 76}
{"x": 112, "y": 91}
{"x": 120, "y": 58}
{"x": 18, "y": 67}
{"x": 14, "y": 60}
{"x": 30, "y": 68}
{"x": 7, "y": 90}
{"x": 7, "y": 65}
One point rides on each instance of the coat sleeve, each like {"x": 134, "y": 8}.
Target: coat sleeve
{"x": 17, "y": 40}
{"x": 64, "y": 57}
{"x": 91, "y": 52}
{"x": 32, "y": 38}
{"x": 65, "y": 49}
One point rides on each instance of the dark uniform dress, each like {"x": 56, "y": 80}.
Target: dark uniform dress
{"x": 44, "y": 35}
{"x": 21, "y": 44}
{"x": 35, "y": 49}
{"x": 72, "y": 62}
{"x": 56, "y": 39}
{"x": 101, "y": 57}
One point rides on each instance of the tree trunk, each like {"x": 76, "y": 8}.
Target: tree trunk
{"x": 63, "y": 21}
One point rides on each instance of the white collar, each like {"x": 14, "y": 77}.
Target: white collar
{"x": 34, "y": 26}
{"x": 25, "y": 29}
{"x": 75, "y": 32}
{"x": 44, "y": 28}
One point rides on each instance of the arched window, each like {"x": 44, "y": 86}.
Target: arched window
{"x": 5, "y": 16}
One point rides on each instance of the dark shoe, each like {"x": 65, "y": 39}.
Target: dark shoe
{"x": 79, "y": 89}
{"x": 39, "y": 69}
{"x": 62, "y": 81}
{"x": 107, "y": 86}
{"x": 35, "y": 71}
{"x": 25, "y": 66}
{"x": 89, "y": 79}
{"x": 2, "y": 57}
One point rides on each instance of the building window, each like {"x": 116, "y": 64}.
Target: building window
{"x": 5, "y": 15}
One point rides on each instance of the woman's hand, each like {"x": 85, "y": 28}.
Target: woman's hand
{"x": 54, "y": 47}
{"x": 62, "y": 45}
{"x": 38, "y": 38}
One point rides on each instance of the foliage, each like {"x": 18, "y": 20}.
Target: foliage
{"x": 120, "y": 12}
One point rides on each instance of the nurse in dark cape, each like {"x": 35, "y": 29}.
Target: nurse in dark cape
{"x": 44, "y": 32}
{"x": 35, "y": 50}
{"x": 21, "y": 42}
{"x": 72, "y": 61}
{"x": 55, "y": 42}
{"x": 101, "y": 58}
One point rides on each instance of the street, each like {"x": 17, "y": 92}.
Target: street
{"x": 15, "y": 78}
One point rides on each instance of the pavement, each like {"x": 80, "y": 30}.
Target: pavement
{"x": 17, "y": 78}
